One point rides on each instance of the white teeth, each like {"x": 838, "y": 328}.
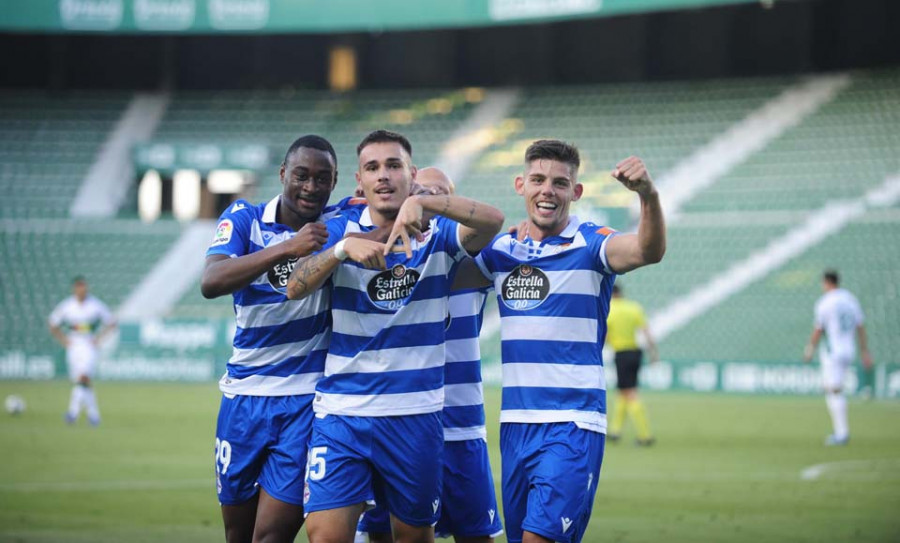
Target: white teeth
{"x": 546, "y": 205}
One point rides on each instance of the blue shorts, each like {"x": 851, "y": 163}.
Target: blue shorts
{"x": 261, "y": 440}
{"x": 468, "y": 500}
{"x": 550, "y": 476}
{"x": 392, "y": 460}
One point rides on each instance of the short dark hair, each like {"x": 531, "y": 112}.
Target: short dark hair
{"x": 311, "y": 141}
{"x": 79, "y": 279}
{"x": 832, "y": 277}
{"x": 553, "y": 150}
{"x": 384, "y": 136}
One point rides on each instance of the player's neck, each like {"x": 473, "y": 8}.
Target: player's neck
{"x": 288, "y": 218}
{"x": 380, "y": 219}
{"x": 537, "y": 233}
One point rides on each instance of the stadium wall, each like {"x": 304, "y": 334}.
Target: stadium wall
{"x": 739, "y": 40}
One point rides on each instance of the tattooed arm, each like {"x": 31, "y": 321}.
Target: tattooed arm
{"x": 311, "y": 273}
{"x": 478, "y": 222}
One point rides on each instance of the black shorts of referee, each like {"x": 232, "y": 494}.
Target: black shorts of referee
{"x": 627, "y": 365}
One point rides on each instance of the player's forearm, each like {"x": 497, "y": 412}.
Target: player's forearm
{"x": 482, "y": 221}
{"x": 58, "y": 335}
{"x": 228, "y": 275}
{"x": 476, "y": 215}
{"x": 651, "y": 229}
{"x": 105, "y": 331}
{"x": 862, "y": 338}
{"x": 311, "y": 273}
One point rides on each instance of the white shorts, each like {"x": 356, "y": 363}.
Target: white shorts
{"x": 81, "y": 359}
{"x": 834, "y": 369}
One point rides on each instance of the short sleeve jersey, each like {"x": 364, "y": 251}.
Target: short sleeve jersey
{"x": 626, "y": 317}
{"x": 463, "y": 413}
{"x": 279, "y": 344}
{"x": 838, "y": 313}
{"x": 387, "y": 348}
{"x": 81, "y": 320}
{"x": 554, "y": 300}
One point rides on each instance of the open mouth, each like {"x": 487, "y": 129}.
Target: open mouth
{"x": 546, "y": 208}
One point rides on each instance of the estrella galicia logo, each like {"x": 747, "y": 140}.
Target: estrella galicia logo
{"x": 278, "y": 276}
{"x": 526, "y": 287}
{"x": 390, "y": 288}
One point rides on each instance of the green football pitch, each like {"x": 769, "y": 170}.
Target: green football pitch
{"x": 725, "y": 468}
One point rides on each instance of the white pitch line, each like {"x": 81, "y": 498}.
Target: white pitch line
{"x": 854, "y": 469}
{"x": 100, "y": 486}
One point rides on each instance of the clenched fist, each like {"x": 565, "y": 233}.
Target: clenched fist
{"x": 632, "y": 173}
{"x": 308, "y": 240}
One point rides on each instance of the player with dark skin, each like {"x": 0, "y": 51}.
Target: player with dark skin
{"x": 308, "y": 176}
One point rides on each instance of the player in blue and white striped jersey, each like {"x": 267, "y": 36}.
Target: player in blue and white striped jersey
{"x": 468, "y": 501}
{"x": 384, "y": 372}
{"x": 554, "y": 286}
{"x": 265, "y": 417}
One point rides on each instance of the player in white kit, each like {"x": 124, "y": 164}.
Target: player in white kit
{"x": 839, "y": 317}
{"x": 79, "y": 323}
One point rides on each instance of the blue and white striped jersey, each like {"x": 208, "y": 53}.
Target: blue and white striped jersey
{"x": 463, "y": 393}
{"x": 554, "y": 299}
{"x": 279, "y": 344}
{"x": 387, "y": 347}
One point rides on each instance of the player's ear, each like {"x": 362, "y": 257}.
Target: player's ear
{"x": 520, "y": 184}
{"x": 281, "y": 173}
{"x": 579, "y": 190}
{"x": 414, "y": 171}
{"x": 335, "y": 180}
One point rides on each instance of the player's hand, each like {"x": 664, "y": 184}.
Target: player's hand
{"x": 632, "y": 173}
{"x": 366, "y": 252}
{"x": 520, "y": 231}
{"x": 307, "y": 240}
{"x": 866, "y": 360}
{"x": 407, "y": 223}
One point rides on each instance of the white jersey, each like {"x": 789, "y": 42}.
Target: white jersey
{"x": 81, "y": 321}
{"x": 838, "y": 314}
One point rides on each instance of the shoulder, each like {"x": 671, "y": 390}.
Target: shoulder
{"x": 592, "y": 230}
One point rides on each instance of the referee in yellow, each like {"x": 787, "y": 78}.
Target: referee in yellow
{"x": 626, "y": 317}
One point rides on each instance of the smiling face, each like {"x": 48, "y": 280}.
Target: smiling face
{"x": 385, "y": 176}
{"x": 309, "y": 176}
{"x": 549, "y": 187}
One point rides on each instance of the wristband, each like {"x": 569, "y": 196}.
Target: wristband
{"x": 339, "y": 252}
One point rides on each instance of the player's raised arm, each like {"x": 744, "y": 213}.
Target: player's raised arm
{"x": 311, "y": 273}
{"x": 626, "y": 252}
{"x": 479, "y": 222}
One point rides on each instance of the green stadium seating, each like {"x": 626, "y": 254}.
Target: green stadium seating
{"x": 847, "y": 147}
{"x": 40, "y": 258}
{"x": 772, "y": 319}
{"x": 660, "y": 122}
{"x": 47, "y": 144}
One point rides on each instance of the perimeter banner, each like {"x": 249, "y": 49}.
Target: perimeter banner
{"x": 284, "y": 16}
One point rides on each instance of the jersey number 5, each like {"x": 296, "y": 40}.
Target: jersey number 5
{"x": 315, "y": 464}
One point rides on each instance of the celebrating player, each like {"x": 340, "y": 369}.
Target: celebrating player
{"x": 378, "y": 433}
{"x": 86, "y": 321}
{"x": 468, "y": 502}
{"x": 265, "y": 417}
{"x": 839, "y": 316}
{"x": 554, "y": 290}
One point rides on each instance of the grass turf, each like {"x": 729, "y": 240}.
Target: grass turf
{"x": 725, "y": 468}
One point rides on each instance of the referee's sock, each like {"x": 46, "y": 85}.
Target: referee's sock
{"x": 617, "y": 420}
{"x": 638, "y": 414}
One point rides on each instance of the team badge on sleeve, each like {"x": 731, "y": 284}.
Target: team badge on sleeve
{"x": 223, "y": 233}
